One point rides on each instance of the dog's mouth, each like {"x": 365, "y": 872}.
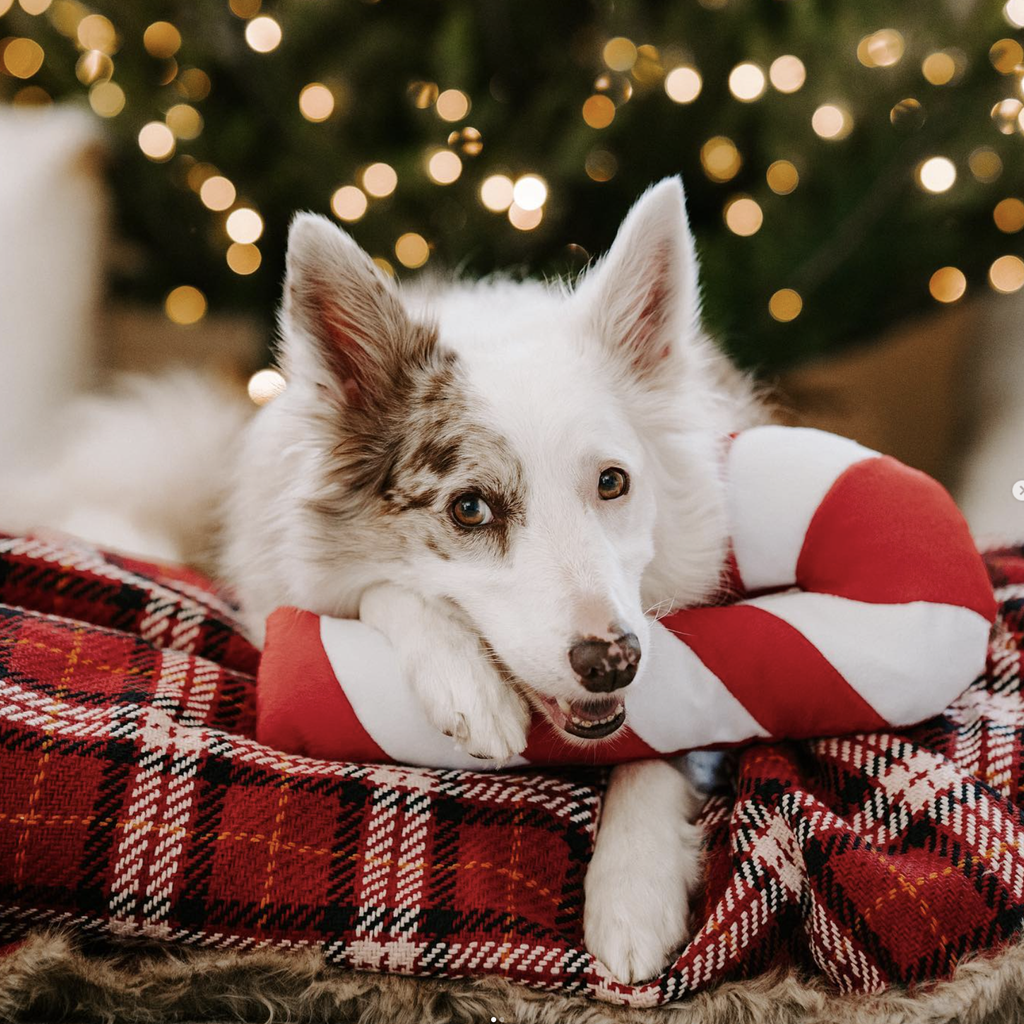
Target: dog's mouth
{"x": 589, "y": 720}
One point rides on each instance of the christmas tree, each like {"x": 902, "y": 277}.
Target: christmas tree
{"x": 846, "y": 165}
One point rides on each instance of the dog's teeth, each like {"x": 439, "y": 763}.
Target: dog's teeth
{"x": 564, "y": 705}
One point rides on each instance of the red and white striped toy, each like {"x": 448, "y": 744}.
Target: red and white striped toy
{"x": 863, "y": 604}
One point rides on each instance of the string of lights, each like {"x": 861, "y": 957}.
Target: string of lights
{"x": 54, "y": 47}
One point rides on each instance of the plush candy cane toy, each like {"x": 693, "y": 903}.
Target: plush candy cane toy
{"x": 863, "y": 604}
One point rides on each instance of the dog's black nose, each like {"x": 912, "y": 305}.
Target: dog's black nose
{"x": 605, "y": 665}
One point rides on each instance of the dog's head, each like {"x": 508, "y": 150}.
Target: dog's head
{"x": 517, "y": 451}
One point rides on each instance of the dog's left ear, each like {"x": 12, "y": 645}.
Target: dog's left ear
{"x": 642, "y": 298}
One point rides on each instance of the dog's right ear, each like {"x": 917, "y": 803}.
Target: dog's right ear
{"x": 343, "y": 322}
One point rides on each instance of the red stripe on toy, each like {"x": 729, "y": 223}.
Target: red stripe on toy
{"x": 300, "y": 706}
{"x": 888, "y": 534}
{"x": 774, "y": 671}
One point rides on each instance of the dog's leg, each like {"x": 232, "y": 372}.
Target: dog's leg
{"x": 461, "y": 689}
{"x": 645, "y": 866}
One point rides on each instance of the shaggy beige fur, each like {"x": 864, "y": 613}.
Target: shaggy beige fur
{"x": 50, "y": 979}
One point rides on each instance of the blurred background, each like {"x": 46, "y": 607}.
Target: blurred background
{"x": 855, "y": 179}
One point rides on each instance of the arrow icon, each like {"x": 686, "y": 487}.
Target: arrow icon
{"x": 1018, "y": 490}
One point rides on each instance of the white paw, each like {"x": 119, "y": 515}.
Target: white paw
{"x": 646, "y": 866}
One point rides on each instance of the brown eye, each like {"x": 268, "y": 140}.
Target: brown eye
{"x": 470, "y": 510}
{"x": 612, "y": 483}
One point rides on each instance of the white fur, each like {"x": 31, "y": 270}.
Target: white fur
{"x": 613, "y": 373}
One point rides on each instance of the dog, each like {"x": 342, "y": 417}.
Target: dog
{"x": 510, "y": 480}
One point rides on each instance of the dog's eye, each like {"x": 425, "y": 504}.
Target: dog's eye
{"x": 612, "y": 483}
{"x": 471, "y": 510}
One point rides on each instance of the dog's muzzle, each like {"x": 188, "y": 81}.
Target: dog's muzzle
{"x": 604, "y": 666}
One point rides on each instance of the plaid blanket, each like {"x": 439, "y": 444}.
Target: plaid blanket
{"x": 133, "y": 802}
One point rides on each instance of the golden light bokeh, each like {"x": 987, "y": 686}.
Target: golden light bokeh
{"x": 939, "y": 68}
{"x": 619, "y": 53}
{"x": 384, "y": 266}
{"x": 444, "y": 167}
{"x": 782, "y": 177}
{"x": 600, "y": 165}
{"x": 161, "y": 39}
{"x": 598, "y": 111}
{"x": 263, "y": 34}
{"x": 908, "y": 114}
{"x": 881, "y": 49}
{"x": 787, "y": 73}
{"x": 349, "y": 203}
{"x": 380, "y": 180}
{"x": 93, "y": 66}
{"x": 1005, "y": 55}
{"x": 185, "y": 305}
{"x": 197, "y": 175}
{"x": 1009, "y": 215}
{"x": 64, "y": 15}
{"x": 936, "y": 174}
{"x": 524, "y": 220}
{"x": 217, "y": 193}
{"x": 412, "y": 250}
{"x": 683, "y": 84}
{"x": 985, "y": 164}
{"x": 245, "y": 8}
{"x": 97, "y": 33}
{"x": 265, "y": 385}
{"x": 530, "y": 192}
{"x": 34, "y": 6}
{"x": 22, "y": 57}
{"x": 5, "y": 6}
{"x": 648, "y": 69}
{"x": 743, "y": 216}
{"x": 496, "y": 192}
{"x": 185, "y": 121}
{"x": 947, "y": 284}
{"x": 316, "y": 102}
{"x": 618, "y": 88}
{"x": 1005, "y": 113}
{"x": 195, "y": 83}
{"x": 1007, "y": 274}
{"x": 422, "y": 95}
{"x": 747, "y": 82}
{"x": 785, "y": 305}
{"x": 243, "y": 258}
{"x": 31, "y": 96}
{"x": 106, "y": 99}
{"x": 452, "y": 105}
{"x": 156, "y": 141}
{"x": 720, "y": 158}
{"x": 832, "y": 122}
{"x": 467, "y": 139}
{"x": 244, "y": 225}
{"x": 1013, "y": 12}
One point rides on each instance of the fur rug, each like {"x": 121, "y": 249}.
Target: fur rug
{"x": 50, "y": 979}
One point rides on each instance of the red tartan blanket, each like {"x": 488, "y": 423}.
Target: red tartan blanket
{"x": 133, "y": 802}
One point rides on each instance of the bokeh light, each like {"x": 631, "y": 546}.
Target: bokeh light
{"x": 380, "y": 180}
{"x": 496, "y": 192}
{"x": 720, "y": 158}
{"x": 782, "y": 177}
{"x": 245, "y": 8}
{"x": 524, "y": 220}
{"x": 412, "y": 250}
{"x": 1005, "y": 55}
{"x": 530, "y": 192}
{"x": 683, "y": 84}
{"x": 106, "y": 99}
{"x": 452, "y": 105}
{"x": 195, "y": 84}
{"x": 185, "y": 305}
{"x": 832, "y": 122}
{"x": 243, "y": 258}
{"x": 185, "y": 121}
{"x": 265, "y": 385}
{"x": 22, "y": 58}
{"x": 598, "y": 111}
{"x": 316, "y": 102}
{"x": 35, "y": 7}
{"x": 217, "y": 193}
{"x": 349, "y": 203}
{"x": 93, "y": 66}
{"x": 444, "y": 167}
{"x": 785, "y": 305}
{"x": 263, "y": 34}
{"x": 787, "y": 73}
{"x": 156, "y": 140}
{"x": 1013, "y": 12}
{"x": 939, "y": 68}
{"x": 747, "y": 82}
{"x": 936, "y": 174}
{"x": 985, "y": 163}
{"x": 947, "y": 284}
{"x": 96, "y": 32}
{"x": 743, "y": 216}
{"x": 619, "y": 53}
{"x": 1005, "y": 113}
{"x": 1009, "y": 215}
{"x": 907, "y": 115}
{"x": 600, "y": 165}
{"x": 244, "y": 225}
{"x": 468, "y": 139}
{"x": 881, "y": 49}
{"x": 161, "y": 39}
{"x": 1007, "y": 274}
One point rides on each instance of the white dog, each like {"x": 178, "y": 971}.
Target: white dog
{"x": 508, "y": 480}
